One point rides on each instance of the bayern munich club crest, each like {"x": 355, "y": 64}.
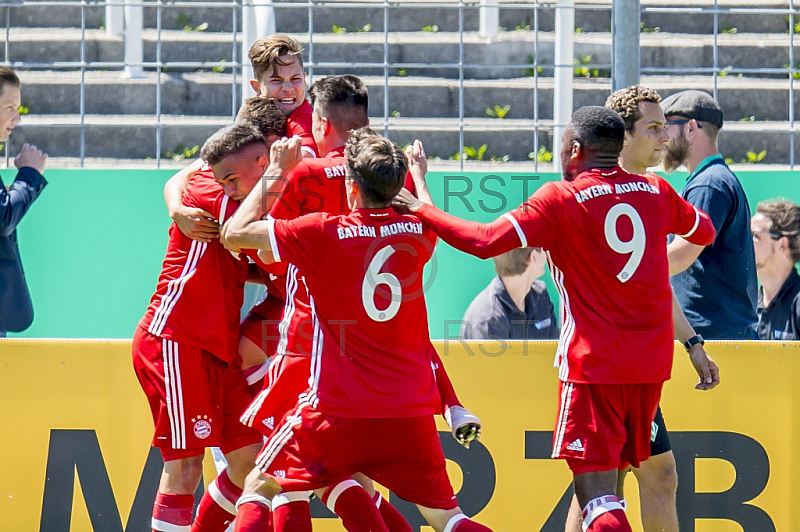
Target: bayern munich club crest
{"x": 202, "y": 427}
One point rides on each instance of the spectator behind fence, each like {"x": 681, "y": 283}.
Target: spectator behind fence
{"x": 16, "y": 310}
{"x": 515, "y": 305}
{"x": 715, "y": 286}
{"x": 776, "y": 239}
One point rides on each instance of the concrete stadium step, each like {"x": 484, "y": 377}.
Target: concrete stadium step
{"x": 506, "y": 56}
{"x": 134, "y": 136}
{"x": 49, "y": 92}
{"x": 413, "y": 15}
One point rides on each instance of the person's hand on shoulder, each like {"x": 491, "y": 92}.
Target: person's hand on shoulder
{"x": 195, "y": 223}
{"x": 32, "y": 157}
{"x": 405, "y": 201}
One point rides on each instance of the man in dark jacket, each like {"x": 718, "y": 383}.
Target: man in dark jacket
{"x": 16, "y": 311}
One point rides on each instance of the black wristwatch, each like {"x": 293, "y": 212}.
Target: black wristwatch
{"x": 693, "y": 341}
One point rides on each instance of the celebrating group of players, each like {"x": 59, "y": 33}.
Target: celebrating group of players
{"x": 335, "y": 366}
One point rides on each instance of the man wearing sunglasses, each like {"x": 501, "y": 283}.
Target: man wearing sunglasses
{"x": 716, "y": 286}
{"x": 776, "y": 239}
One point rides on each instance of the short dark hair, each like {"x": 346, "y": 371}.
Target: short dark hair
{"x": 626, "y": 103}
{"x": 267, "y": 51}
{"x": 8, "y": 77}
{"x": 598, "y": 129}
{"x": 230, "y": 140}
{"x": 785, "y": 217}
{"x": 265, "y": 114}
{"x": 378, "y": 166}
{"x": 343, "y": 100}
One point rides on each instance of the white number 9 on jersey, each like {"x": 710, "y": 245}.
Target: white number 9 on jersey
{"x": 634, "y": 246}
{"x": 373, "y": 279}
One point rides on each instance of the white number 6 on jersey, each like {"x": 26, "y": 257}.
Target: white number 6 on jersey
{"x": 373, "y": 279}
{"x": 634, "y": 246}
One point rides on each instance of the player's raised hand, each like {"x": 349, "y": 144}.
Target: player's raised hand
{"x": 32, "y": 157}
{"x": 284, "y": 155}
{"x": 417, "y": 160}
{"x": 705, "y": 367}
{"x": 195, "y": 223}
{"x": 405, "y": 201}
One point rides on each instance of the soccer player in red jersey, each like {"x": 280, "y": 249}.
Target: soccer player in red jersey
{"x": 657, "y": 478}
{"x": 364, "y": 391}
{"x": 278, "y": 70}
{"x": 604, "y": 231}
{"x": 313, "y": 185}
{"x": 184, "y": 349}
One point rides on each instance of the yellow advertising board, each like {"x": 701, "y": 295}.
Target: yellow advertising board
{"x": 76, "y": 453}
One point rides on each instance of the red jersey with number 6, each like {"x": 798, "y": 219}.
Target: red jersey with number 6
{"x": 371, "y": 347}
{"x": 605, "y": 234}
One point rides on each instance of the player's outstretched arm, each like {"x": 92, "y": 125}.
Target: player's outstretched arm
{"x": 481, "y": 240}
{"x": 247, "y": 229}
{"x": 195, "y": 223}
{"x": 418, "y": 167}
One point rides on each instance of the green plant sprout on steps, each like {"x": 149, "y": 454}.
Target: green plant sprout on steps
{"x": 498, "y": 111}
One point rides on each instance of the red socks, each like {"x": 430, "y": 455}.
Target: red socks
{"x": 253, "y": 514}
{"x": 290, "y": 512}
{"x": 462, "y": 523}
{"x": 354, "y": 507}
{"x": 172, "y": 512}
{"x": 605, "y": 514}
{"x": 218, "y": 505}
{"x": 393, "y": 519}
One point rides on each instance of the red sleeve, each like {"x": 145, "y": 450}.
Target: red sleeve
{"x": 288, "y": 205}
{"x": 299, "y": 241}
{"x": 299, "y": 124}
{"x": 478, "y": 239}
{"x": 409, "y": 184}
{"x": 688, "y": 221}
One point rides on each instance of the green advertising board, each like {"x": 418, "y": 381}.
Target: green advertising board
{"x": 93, "y": 243}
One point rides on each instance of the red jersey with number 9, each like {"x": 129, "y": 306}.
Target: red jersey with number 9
{"x": 605, "y": 234}
{"x": 371, "y": 347}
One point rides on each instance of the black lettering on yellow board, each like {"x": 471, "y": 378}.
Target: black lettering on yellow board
{"x": 78, "y": 451}
{"x": 746, "y": 455}
{"x": 72, "y": 451}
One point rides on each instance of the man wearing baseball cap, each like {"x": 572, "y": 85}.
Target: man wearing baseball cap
{"x": 716, "y": 285}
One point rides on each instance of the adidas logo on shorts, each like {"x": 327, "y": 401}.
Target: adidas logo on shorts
{"x": 575, "y": 446}
{"x": 269, "y": 422}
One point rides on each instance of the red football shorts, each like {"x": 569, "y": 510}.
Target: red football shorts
{"x": 260, "y": 326}
{"x": 604, "y": 426}
{"x": 287, "y": 379}
{"x": 195, "y": 398}
{"x": 311, "y": 450}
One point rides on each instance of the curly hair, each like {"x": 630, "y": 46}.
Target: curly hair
{"x": 626, "y": 102}
{"x": 785, "y": 217}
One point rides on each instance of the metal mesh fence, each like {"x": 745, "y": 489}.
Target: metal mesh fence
{"x": 473, "y": 80}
